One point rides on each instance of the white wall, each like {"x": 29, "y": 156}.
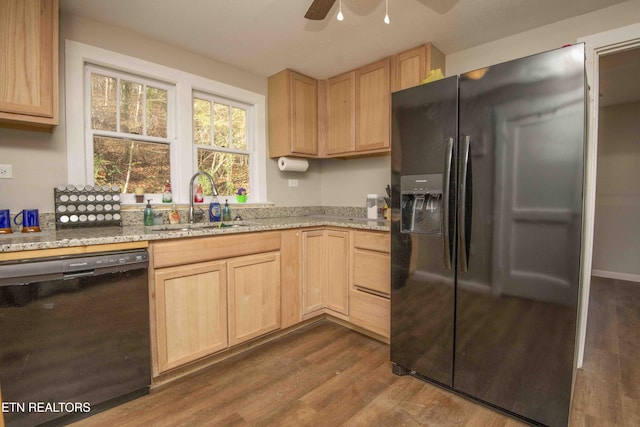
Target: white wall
{"x": 543, "y": 38}
{"x": 347, "y": 182}
{"x": 617, "y": 220}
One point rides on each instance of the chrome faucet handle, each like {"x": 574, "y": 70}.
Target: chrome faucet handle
{"x": 198, "y": 215}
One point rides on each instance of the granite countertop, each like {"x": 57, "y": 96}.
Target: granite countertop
{"x": 50, "y": 239}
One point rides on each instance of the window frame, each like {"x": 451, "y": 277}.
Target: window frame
{"x": 250, "y": 150}
{"x": 90, "y": 133}
{"x": 77, "y": 55}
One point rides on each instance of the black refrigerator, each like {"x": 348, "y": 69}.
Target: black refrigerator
{"x": 487, "y": 198}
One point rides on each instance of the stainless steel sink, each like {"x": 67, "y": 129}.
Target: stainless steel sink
{"x": 176, "y": 228}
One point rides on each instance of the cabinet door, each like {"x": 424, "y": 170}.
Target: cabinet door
{"x": 337, "y": 280}
{"x": 408, "y": 68}
{"x": 340, "y": 114}
{"x": 313, "y": 271}
{"x": 304, "y": 114}
{"x": 254, "y": 296}
{"x": 191, "y": 312}
{"x": 293, "y": 114}
{"x": 29, "y": 62}
{"x": 325, "y": 278}
{"x": 373, "y": 106}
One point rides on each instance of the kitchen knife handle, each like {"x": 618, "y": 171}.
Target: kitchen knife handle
{"x": 446, "y": 239}
{"x": 462, "y": 205}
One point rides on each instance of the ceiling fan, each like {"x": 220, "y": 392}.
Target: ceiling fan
{"x": 320, "y": 8}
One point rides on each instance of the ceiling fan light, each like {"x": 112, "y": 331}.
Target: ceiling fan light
{"x": 386, "y": 12}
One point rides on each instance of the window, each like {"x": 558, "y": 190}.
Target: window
{"x": 131, "y": 122}
{"x": 221, "y": 143}
{"x": 131, "y": 131}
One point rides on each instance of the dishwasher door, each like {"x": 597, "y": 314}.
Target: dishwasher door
{"x": 74, "y": 335}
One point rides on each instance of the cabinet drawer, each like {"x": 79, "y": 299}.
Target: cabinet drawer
{"x": 370, "y": 312}
{"x": 372, "y": 270}
{"x": 380, "y": 242}
{"x": 190, "y": 250}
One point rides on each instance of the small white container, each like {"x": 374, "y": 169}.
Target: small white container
{"x": 372, "y": 206}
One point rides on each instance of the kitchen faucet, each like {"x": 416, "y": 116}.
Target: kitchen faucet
{"x": 213, "y": 190}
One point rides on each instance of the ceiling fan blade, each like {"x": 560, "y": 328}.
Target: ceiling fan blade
{"x": 319, "y": 9}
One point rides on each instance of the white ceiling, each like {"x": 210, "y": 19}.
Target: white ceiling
{"x": 266, "y": 36}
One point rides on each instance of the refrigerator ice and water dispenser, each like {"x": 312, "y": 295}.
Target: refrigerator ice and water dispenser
{"x": 421, "y": 204}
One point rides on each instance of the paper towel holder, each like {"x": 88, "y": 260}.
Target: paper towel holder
{"x": 292, "y": 164}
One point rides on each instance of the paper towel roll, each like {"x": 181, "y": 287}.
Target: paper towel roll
{"x": 290, "y": 164}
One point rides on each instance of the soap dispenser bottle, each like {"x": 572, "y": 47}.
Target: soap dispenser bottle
{"x": 226, "y": 211}
{"x": 148, "y": 214}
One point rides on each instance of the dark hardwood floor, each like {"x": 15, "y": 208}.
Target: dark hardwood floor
{"x": 607, "y": 390}
{"x": 327, "y": 375}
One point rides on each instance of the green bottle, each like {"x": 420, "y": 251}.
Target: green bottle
{"x": 148, "y": 214}
{"x": 226, "y": 211}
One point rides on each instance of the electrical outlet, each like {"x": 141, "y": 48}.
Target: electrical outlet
{"x": 6, "y": 171}
{"x": 293, "y": 183}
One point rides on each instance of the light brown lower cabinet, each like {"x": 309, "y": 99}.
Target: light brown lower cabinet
{"x": 325, "y": 271}
{"x": 369, "y": 294}
{"x": 371, "y": 312}
{"x": 273, "y": 280}
{"x": 191, "y": 312}
{"x": 202, "y": 306}
{"x": 254, "y": 296}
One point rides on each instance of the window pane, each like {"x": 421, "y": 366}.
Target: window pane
{"x": 221, "y": 124}
{"x": 103, "y": 102}
{"x": 131, "y": 107}
{"x": 156, "y": 112}
{"x": 239, "y": 130}
{"x": 129, "y": 164}
{"x": 201, "y": 122}
{"x": 229, "y": 171}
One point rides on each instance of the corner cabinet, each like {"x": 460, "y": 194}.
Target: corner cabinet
{"x": 293, "y": 115}
{"x": 358, "y": 112}
{"x": 29, "y": 64}
{"x": 325, "y": 272}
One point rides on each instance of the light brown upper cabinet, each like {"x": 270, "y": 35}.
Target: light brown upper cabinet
{"x": 340, "y": 115}
{"x": 293, "y": 115}
{"x": 411, "y": 67}
{"x": 29, "y": 64}
{"x": 373, "y": 107}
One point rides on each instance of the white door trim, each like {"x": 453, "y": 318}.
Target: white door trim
{"x": 604, "y": 43}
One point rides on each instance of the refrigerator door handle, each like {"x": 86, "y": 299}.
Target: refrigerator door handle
{"x": 446, "y": 239}
{"x": 462, "y": 205}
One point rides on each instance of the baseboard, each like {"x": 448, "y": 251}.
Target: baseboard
{"x": 615, "y": 275}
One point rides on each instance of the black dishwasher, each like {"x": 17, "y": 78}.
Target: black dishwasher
{"x": 74, "y": 335}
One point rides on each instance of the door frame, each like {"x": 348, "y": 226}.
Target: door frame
{"x": 596, "y": 45}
